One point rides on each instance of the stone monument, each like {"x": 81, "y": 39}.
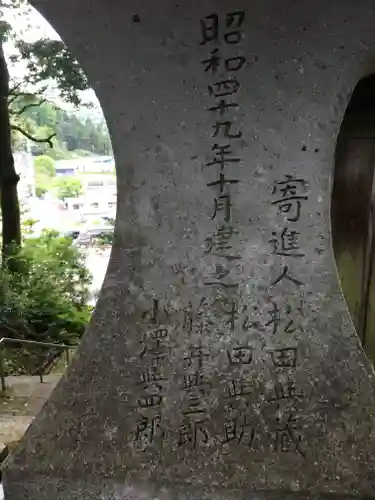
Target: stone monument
{"x": 221, "y": 361}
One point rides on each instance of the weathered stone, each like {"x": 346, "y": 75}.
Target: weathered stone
{"x": 215, "y": 366}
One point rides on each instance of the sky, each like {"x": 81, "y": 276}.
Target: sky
{"x": 31, "y": 26}
{"x": 29, "y": 23}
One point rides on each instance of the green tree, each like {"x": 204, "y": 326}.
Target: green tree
{"x": 44, "y": 168}
{"x": 68, "y": 187}
{"x": 46, "y": 60}
{"x": 44, "y": 165}
{"x": 74, "y": 136}
{"x": 9, "y": 203}
{"x": 46, "y": 300}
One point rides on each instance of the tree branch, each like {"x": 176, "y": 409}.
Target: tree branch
{"x": 16, "y": 95}
{"x": 34, "y": 139}
{"x": 13, "y": 90}
{"x": 12, "y": 99}
{"x": 27, "y": 106}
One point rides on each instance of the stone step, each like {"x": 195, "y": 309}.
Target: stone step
{"x": 22, "y": 401}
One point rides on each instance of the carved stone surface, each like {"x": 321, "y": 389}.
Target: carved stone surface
{"x": 221, "y": 362}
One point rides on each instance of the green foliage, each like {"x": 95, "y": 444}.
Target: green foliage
{"x": 50, "y": 59}
{"x": 28, "y": 225}
{"x": 46, "y": 300}
{"x": 44, "y": 174}
{"x": 44, "y": 165}
{"x": 46, "y": 64}
{"x": 41, "y": 190}
{"x": 42, "y": 186}
{"x": 74, "y": 138}
{"x": 68, "y": 187}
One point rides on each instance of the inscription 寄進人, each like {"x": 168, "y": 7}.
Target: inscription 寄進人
{"x": 288, "y": 195}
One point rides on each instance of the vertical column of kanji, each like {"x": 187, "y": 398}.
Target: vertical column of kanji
{"x": 223, "y": 35}
{"x": 195, "y": 381}
{"x": 220, "y": 37}
{"x": 154, "y": 354}
{"x": 283, "y": 324}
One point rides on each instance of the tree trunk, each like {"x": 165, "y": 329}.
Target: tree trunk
{"x": 10, "y": 209}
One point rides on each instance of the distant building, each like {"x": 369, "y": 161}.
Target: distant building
{"x": 89, "y": 208}
{"x": 99, "y": 184}
{"x": 65, "y": 167}
{"x": 90, "y": 164}
{"x": 97, "y": 164}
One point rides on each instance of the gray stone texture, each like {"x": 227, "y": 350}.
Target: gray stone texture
{"x": 233, "y": 415}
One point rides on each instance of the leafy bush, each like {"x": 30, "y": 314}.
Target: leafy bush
{"x": 44, "y": 166}
{"x": 46, "y": 300}
{"x": 68, "y": 187}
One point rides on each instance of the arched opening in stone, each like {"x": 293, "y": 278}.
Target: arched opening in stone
{"x": 353, "y": 210}
{"x": 67, "y": 194}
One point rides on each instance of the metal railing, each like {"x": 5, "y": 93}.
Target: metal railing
{"x": 6, "y": 340}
